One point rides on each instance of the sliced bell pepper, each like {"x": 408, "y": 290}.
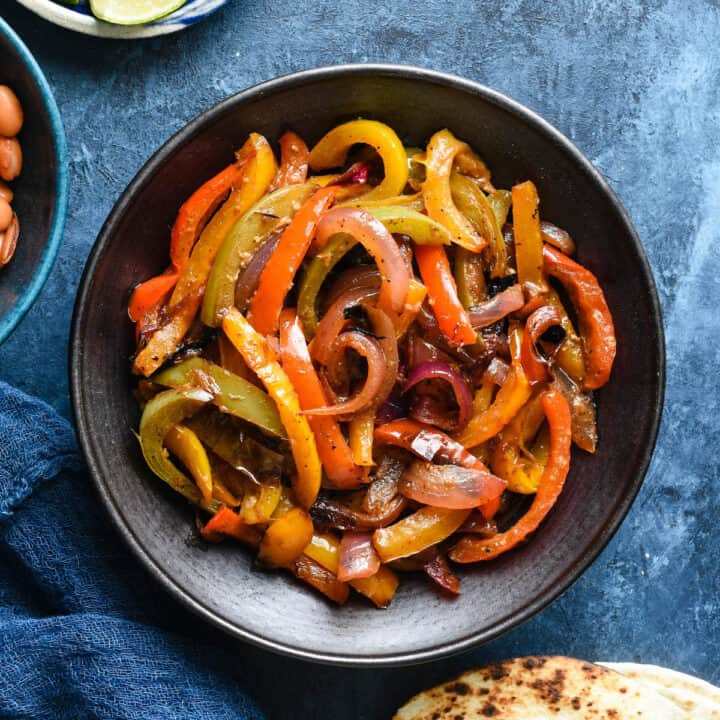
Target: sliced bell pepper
{"x": 279, "y": 273}
{"x": 470, "y": 164}
{"x": 528, "y": 240}
{"x": 412, "y": 202}
{"x": 360, "y": 436}
{"x": 500, "y": 201}
{"x": 162, "y": 413}
{"x": 182, "y": 442}
{"x": 260, "y": 358}
{"x": 259, "y": 502}
{"x": 417, "y": 293}
{"x": 307, "y": 570}
{"x": 336, "y": 456}
{"x": 332, "y": 149}
{"x": 231, "y": 393}
{"x": 264, "y": 218}
{"x": 596, "y": 324}
{"x": 442, "y": 150}
{"x": 227, "y": 523}
{"x": 285, "y": 539}
{"x": 570, "y": 354}
{"x": 403, "y": 220}
{"x": 148, "y": 294}
{"x": 451, "y": 316}
{"x": 424, "y": 528}
{"x": 294, "y": 160}
{"x": 474, "y": 549}
{"x": 259, "y": 170}
{"x": 469, "y": 277}
{"x": 471, "y": 201}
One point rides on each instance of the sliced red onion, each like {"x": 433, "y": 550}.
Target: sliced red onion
{"x": 450, "y": 486}
{"x": 556, "y": 236}
{"x": 358, "y": 557}
{"x": 476, "y": 524}
{"x": 538, "y": 322}
{"x": 329, "y": 513}
{"x": 498, "y": 307}
{"x": 384, "y": 486}
{"x": 497, "y": 371}
{"x": 582, "y": 410}
{"x": 420, "y": 351}
{"x": 436, "y": 566}
{"x": 439, "y": 370}
{"x": 356, "y": 174}
{"x": 394, "y": 407}
{"x": 250, "y": 278}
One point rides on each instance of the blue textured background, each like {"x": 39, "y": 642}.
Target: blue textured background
{"x": 635, "y": 86}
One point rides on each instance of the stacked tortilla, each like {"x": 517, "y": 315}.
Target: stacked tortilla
{"x": 540, "y": 688}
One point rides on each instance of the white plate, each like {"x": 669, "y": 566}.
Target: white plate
{"x": 78, "y": 18}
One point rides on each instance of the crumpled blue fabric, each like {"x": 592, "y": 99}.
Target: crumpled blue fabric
{"x": 83, "y": 631}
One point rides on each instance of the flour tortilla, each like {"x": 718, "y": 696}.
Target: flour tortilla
{"x": 700, "y": 700}
{"x": 542, "y": 688}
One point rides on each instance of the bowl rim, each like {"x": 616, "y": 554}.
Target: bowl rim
{"x": 292, "y": 80}
{"x": 77, "y": 21}
{"x": 62, "y": 181}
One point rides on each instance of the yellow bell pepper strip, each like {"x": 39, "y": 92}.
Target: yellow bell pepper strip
{"x": 511, "y": 396}
{"x": 227, "y": 523}
{"x": 528, "y": 240}
{"x": 307, "y": 570}
{"x": 182, "y": 442}
{"x": 468, "y": 163}
{"x": 570, "y": 354}
{"x": 336, "y": 456}
{"x": 231, "y": 393}
{"x": 260, "y": 358}
{"x": 162, "y": 413}
{"x": 471, "y": 201}
{"x": 360, "y": 436}
{"x": 442, "y": 150}
{"x": 294, "y": 160}
{"x": 412, "y": 202}
{"x": 380, "y": 588}
{"x": 285, "y": 539}
{"x": 259, "y": 502}
{"x": 596, "y": 324}
{"x": 259, "y": 170}
{"x": 279, "y": 273}
{"x": 417, "y": 293}
{"x": 452, "y": 318}
{"x": 405, "y": 221}
{"x": 413, "y": 534}
{"x": 474, "y": 549}
{"x": 332, "y": 149}
{"x": 469, "y": 277}
{"x": 265, "y": 217}
{"x": 500, "y": 202}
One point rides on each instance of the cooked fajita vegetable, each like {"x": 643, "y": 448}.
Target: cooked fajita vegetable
{"x": 362, "y": 372}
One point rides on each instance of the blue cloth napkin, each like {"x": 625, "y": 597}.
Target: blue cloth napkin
{"x": 81, "y": 631}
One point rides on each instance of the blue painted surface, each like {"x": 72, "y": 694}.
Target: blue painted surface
{"x": 635, "y": 86}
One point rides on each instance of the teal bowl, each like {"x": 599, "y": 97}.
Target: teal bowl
{"x": 41, "y": 191}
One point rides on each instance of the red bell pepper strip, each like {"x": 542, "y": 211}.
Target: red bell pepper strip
{"x": 442, "y": 291}
{"x": 335, "y": 455}
{"x": 474, "y": 549}
{"x": 227, "y": 523}
{"x": 277, "y": 277}
{"x": 294, "y": 159}
{"x": 596, "y": 324}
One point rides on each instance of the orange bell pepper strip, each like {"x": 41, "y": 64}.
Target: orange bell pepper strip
{"x": 528, "y": 238}
{"x": 413, "y": 534}
{"x": 277, "y": 277}
{"x": 596, "y": 324}
{"x": 417, "y": 293}
{"x": 442, "y": 150}
{"x": 380, "y": 588}
{"x": 285, "y": 539}
{"x": 511, "y": 396}
{"x": 314, "y": 574}
{"x": 227, "y": 523}
{"x": 332, "y": 149}
{"x": 261, "y": 360}
{"x": 360, "y": 436}
{"x": 294, "y": 160}
{"x": 473, "y": 549}
{"x": 442, "y": 291}
{"x": 336, "y": 456}
{"x": 148, "y": 294}
{"x": 259, "y": 168}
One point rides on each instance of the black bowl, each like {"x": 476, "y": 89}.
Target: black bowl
{"x": 272, "y": 610}
{"x": 41, "y": 190}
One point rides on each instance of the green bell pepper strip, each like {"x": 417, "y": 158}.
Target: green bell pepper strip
{"x": 221, "y": 434}
{"x": 161, "y": 414}
{"x": 406, "y": 221}
{"x": 231, "y": 393}
{"x": 471, "y": 201}
{"x": 500, "y": 202}
{"x": 314, "y": 276}
{"x": 238, "y": 248}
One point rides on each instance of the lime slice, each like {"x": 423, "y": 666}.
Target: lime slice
{"x": 133, "y": 12}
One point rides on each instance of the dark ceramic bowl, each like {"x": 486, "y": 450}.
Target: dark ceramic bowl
{"x": 272, "y": 610}
{"x": 41, "y": 191}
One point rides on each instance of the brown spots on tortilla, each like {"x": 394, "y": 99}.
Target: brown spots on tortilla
{"x": 489, "y": 710}
{"x": 575, "y": 703}
{"x": 458, "y": 688}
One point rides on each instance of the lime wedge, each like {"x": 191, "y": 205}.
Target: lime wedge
{"x": 133, "y": 12}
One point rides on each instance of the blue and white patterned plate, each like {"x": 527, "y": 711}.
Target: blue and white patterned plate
{"x": 79, "y": 18}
